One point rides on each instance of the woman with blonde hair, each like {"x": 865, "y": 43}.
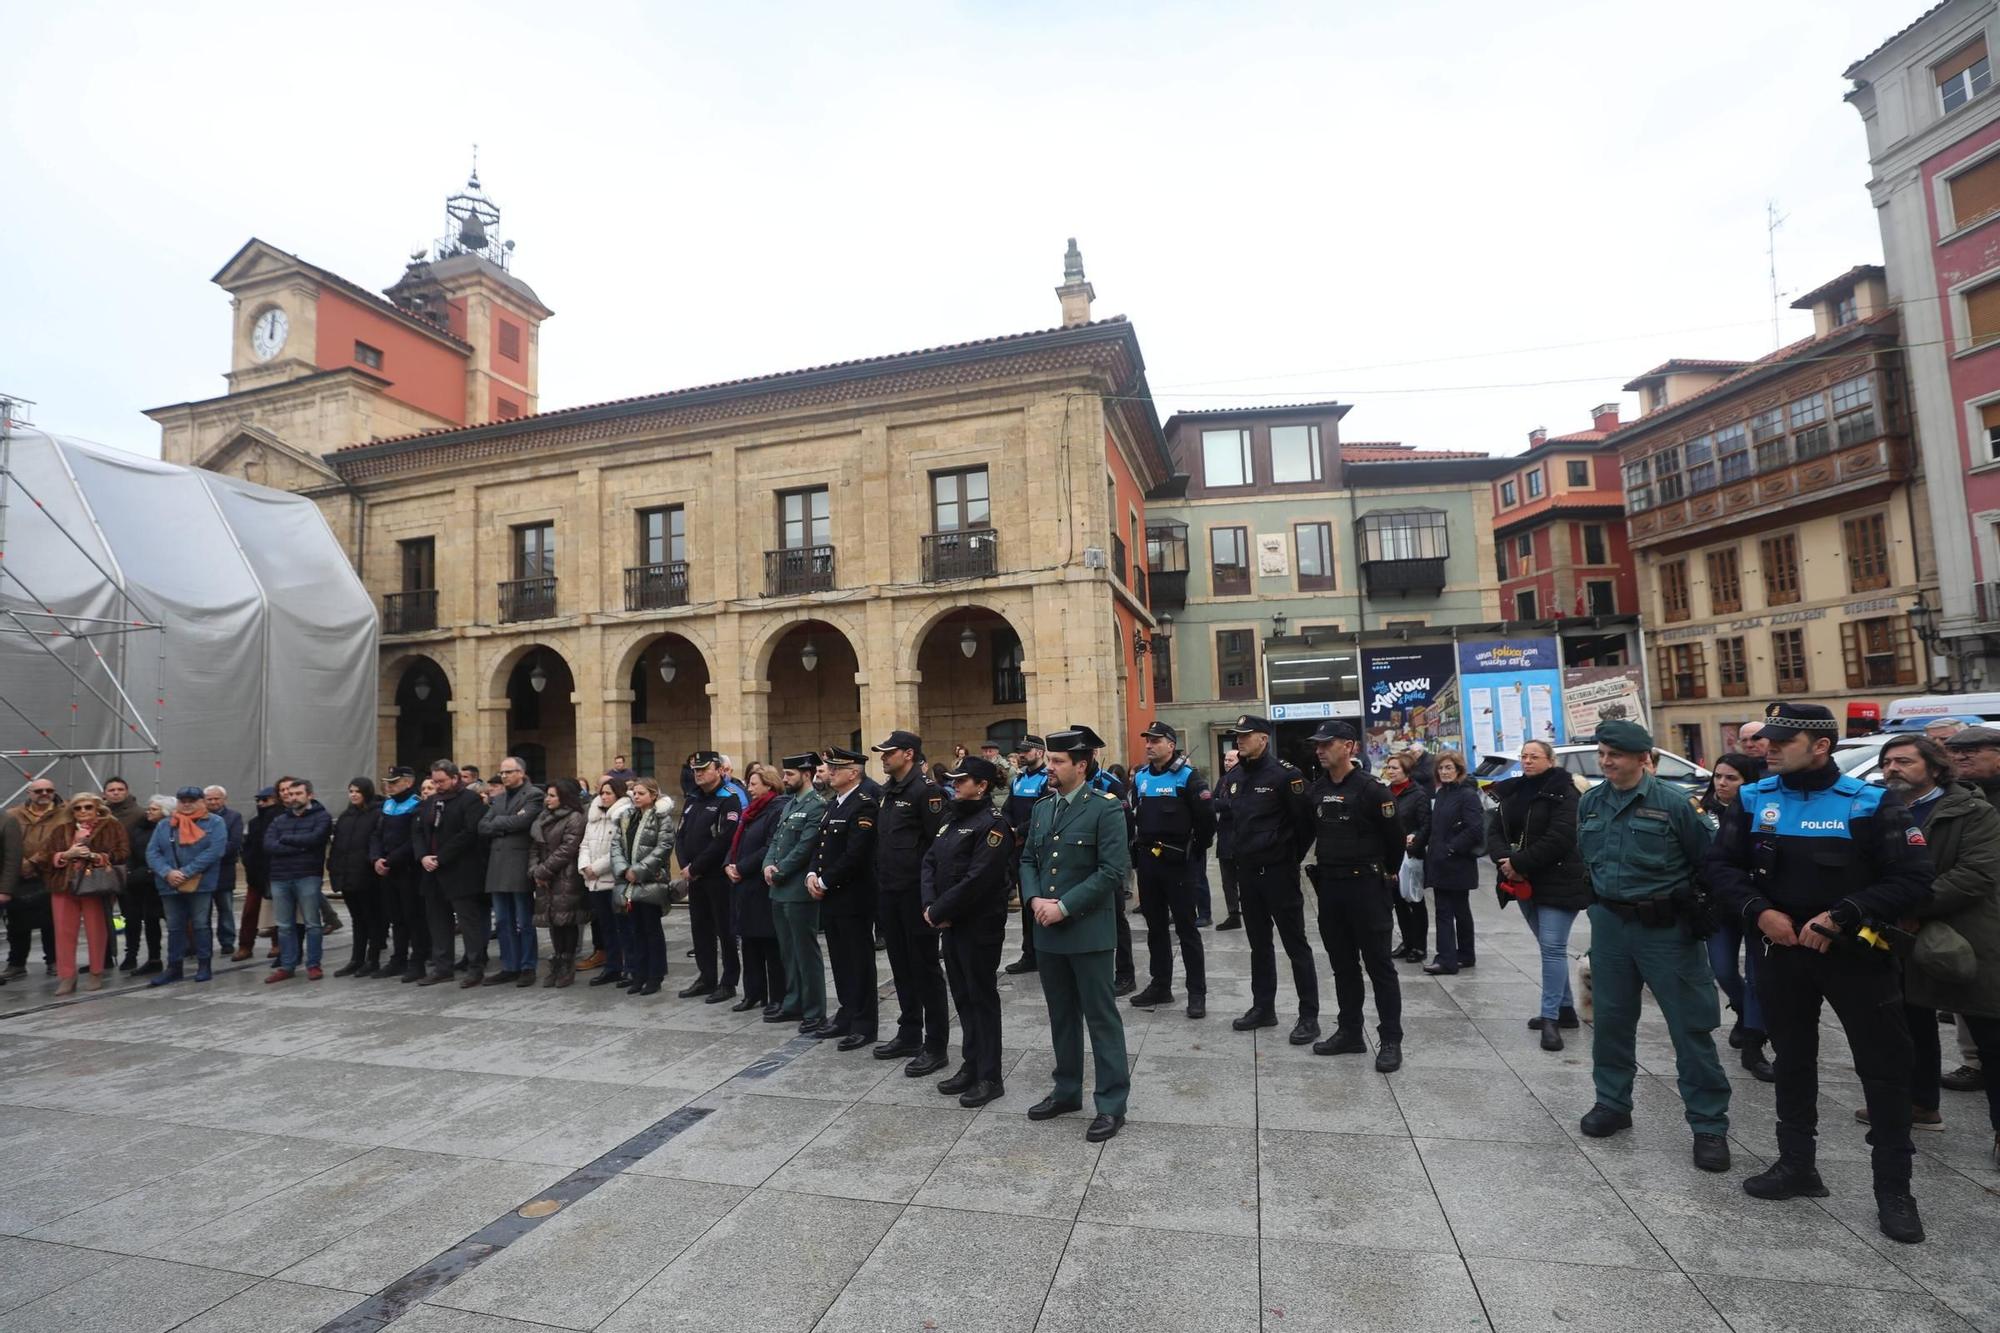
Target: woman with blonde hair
{"x": 86, "y": 836}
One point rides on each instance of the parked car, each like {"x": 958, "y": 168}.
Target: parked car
{"x": 1582, "y": 761}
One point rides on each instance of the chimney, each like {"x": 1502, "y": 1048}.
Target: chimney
{"x": 1604, "y": 417}
{"x": 1537, "y": 437}
{"x": 1076, "y": 293}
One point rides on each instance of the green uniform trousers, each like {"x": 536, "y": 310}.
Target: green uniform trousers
{"x": 798, "y": 951}
{"x": 1077, "y": 987}
{"x": 1624, "y": 956}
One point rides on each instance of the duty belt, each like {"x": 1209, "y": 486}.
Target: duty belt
{"x": 1159, "y": 847}
{"x": 1645, "y": 912}
{"x": 1351, "y": 872}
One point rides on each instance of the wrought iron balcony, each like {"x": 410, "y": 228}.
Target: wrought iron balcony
{"x": 528, "y": 599}
{"x": 1119, "y": 570}
{"x": 1395, "y": 578}
{"x": 799, "y": 569}
{"x": 656, "y": 587}
{"x": 1168, "y": 589}
{"x": 971, "y": 553}
{"x": 412, "y": 611}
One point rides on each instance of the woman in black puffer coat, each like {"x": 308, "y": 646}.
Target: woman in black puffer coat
{"x": 353, "y": 877}
{"x": 1450, "y": 845}
{"x": 1531, "y": 839}
{"x": 1413, "y": 812}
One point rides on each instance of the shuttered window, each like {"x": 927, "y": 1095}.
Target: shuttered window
{"x": 1975, "y": 194}
{"x": 1989, "y": 418}
{"x": 1982, "y": 314}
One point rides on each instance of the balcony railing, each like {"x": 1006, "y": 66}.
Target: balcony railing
{"x": 800, "y": 569}
{"x": 528, "y": 599}
{"x": 1118, "y": 569}
{"x": 972, "y": 553}
{"x": 1396, "y": 577}
{"x": 1168, "y": 589}
{"x": 413, "y": 611}
{"x": 1139, "y": 584}
{"x": 656, "y": 587}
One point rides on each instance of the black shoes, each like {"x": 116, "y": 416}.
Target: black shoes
{"x": 1756, "y": 1061}
{"x": 432, "y": 978}
{"x": 1439, "y": 970}
{"x": 348, "y": 969}
{"x": 1256, "y": 1017}
{"x": 607, "y": 978}
{"x": 1785, "y": 1180}
{"x": 719, "y": 994}
{"x": 1390, "y": 1058}
{"x": 1018, "y": 966}
{"x": 1552, "y": 1037}
{"x": 854, "y": 1041}
{"x": 650, "y": 988}
{"x": 1565, "y": 1017}
{"x": 1231, "y": 922}
{"x": 1601, "y": 1122}
{"x": 1965, "y": 1078}
{"x": 1736, "y": 1035}
{"x": 927, "y": 1063}
{"x": 1896, "y": 1214}
{"x": 962, "y": 1081}
{"x": 1048, "y": 1108}
{"x": 979, "y": 1094}
{"x": 1104, "y": 1127}
{"x": 1303, "y": 1031}
{"x": 694, "y": 988}
{"x": 525, "y": 978}
{"x": 1711, "y": 1152}
{"x": 500, "y": 978}
{"x": 745, "y": 1005}
{"x": 899, "y": 1049}
{"x": 1344, "y": 1041}
{"x": 782, "y": 1016}
{"x": 1124, "y": 986}
{"x": 1197, "y": 1004}
{"x": 1152, "y": 997}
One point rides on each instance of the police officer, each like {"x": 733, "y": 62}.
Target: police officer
{"x": 1027, "y": 788}
{"x": 1104, "y": 780}
{"x": 1359, "y": 847}
{"x": 1076, "y": 856}
{"x": 1270, "y": 819}
{"x": 842, "y": 882}
{"x": 708, "y": 826}
{"x": 912, "y": 813}
{"x": 793, "y": 910}
{"x": 1174, "y": 822}
{"x": 1808, "y": 857}
{"x": 965, "y": 896}
{"x": 1644, "y": 845}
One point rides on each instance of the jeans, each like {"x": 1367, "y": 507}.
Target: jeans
{"x": 225, "y": 918}
{"x": 1741, "y": 988}
{"x": 191, "y": 909}
{"x": 1550, "y": 927}
{"x": 514, "y": 925}
{"x": 292, "y": 901}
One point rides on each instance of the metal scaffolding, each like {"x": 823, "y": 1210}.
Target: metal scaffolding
{"x": 92, "y": 651}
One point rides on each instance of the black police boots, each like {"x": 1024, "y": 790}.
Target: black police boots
{"x": 1786, "y": 1180}
{"x": 1711, "y": 1152}
{"x": 1896, "y": 1214}
{"x": 1601, "y": 1122}
{"x": 1754, "y": 1058}
{"x": 1152, "y": 997}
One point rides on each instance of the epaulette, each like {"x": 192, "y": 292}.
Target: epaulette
{"x": 1109, "y": 797}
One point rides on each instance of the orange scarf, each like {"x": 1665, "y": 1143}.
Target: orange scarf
{"x": 187, "y": 829}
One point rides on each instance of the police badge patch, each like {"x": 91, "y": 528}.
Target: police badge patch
{"x": 1298, "y": 784}
{"x": 993, "y": 838}
{"x": 936, "y": 804}
{"x": 1388, "y": 809}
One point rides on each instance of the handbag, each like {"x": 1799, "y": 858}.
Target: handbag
{"x": 98, "y": 882}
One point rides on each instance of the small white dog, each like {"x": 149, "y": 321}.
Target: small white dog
{"x": 1582, "y": 988}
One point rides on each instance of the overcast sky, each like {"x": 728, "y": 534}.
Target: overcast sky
{"x": 1467, "y": 220}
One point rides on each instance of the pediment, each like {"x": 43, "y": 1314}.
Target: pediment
{"x": 258, "y": 261}
{"x": 256, "y": 455}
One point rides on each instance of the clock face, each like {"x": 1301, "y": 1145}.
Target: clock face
{"x": 267, "y": 334}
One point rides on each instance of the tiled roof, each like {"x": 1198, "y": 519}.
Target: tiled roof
{"x": 1578, "y": 437}
{"x": 1678, "y": 364}
{"x": 363, "y": 295}
{"x": 1914, "y": 23}
{"x": 1845, "y": 280}
{"x": 773, "y": 380}
{"x": 1402, "y": 453}
{"x": 1261, "y": 407}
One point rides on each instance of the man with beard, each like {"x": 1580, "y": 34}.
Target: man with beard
{"x": 792, "y": 907}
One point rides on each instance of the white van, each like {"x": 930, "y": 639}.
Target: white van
{"x": 1906, "y": 714}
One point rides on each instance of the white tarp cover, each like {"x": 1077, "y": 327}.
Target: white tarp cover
{"x": 268, "y": 641}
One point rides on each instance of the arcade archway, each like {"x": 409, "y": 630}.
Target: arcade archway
{"x": 814, "y": 701}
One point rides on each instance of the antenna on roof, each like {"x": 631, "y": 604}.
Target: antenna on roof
{"x": 1773, "y": 220}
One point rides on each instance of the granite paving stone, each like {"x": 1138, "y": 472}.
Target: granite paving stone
{"x": 32, "y": 1269}
{"x": 1180, "y": 1177}
{"x": 1309, "y": 1287}
{"x": 271, "y": 1307}
{"x": 884, "y": 1153}
{"x": 947, "y": 1269}
{"x": 135, "y": 1296}
{"x": 1160, "y": 1281}
{"x": 1529, "y": 1297}
{"x": 743, "y": 1140}
{"x": 1006, "y": 1163}
{"x": 1348, "y": 1189}
{"x": 1510, "y": 1199}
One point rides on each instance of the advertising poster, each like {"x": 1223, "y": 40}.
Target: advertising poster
{"x": 1512, "y": 689}
{"x": 1410, "y": 694}
{"x": 1601, "y": 694}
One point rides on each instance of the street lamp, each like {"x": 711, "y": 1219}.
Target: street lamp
{"x": 1139, "y": 645}
{"x": 968, "y": 642}
{"x": 422, "y": 689}
{"x": 1923, "y": 619}
{"x": 1278, "y": 623}
{"x": 667, "y": 666}
{"x": 1166, "y": 626}
{"x": 809, "y": 655}
{"x": 538, "y": 678}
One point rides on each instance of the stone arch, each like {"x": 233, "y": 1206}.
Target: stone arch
{"x": 658, "y": 722}
{"x": 416, "y": 701}
{"x": 962, "y": 696}
{"x": 809, "y": 709}
{"x": 539, "y": 723}
{"x": 624, "y": 651}
{"x": 919, "y": 626}
{"x": 770, "y": 631}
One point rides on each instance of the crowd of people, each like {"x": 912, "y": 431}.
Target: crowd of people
{"x": 1784, "y": 887}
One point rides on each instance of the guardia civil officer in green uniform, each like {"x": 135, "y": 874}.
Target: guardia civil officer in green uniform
{"x": 1644, "y": 844}
{"x": 1073, "y": 863}
{"x": 786, "y": 862}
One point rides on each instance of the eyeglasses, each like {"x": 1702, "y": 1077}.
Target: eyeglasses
{"x": 41, "y": 791}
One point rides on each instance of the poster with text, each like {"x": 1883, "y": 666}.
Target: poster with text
{"x": 1513, "y": 689}
{"x": 1411, "y": 697}
{"x": 1601, "y": 694}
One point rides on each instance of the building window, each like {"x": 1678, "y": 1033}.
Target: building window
{"x": 1854, "y": 406}
{"x": 1982, "y": 314}
{"x": 1524, "y": 605}
{"x": 1594, "y": 550}
{"x": 1788, "y": 660}
{"x": 535, "y": 551}
{"x": 1010, "y": 684}
{"x": 1667, "y": 481}
{"x": 1962, "y": 76}
{"x": 1500, "y": 551}
{"x": 663, "y": 535}
{"x": 1683, "y": 671}
{"x": 1600, "y": 597}
{"x": 1846, "y": 310}
{"x": 1229, "y": 561}
{"x": 1405, "y": 534}
{"x": 1235, "y": 664}
{"x": 1879, "y": 653}
{"x": 1867, "y": 542}
{"x": 419, "y": 561}
{"x": 643, "y": 759}
{"x": 1674, "y": 590}
{"x": 1811, "y": 436}
{"x": 805, "y": 519}
{"x": 1295, "y": 453}
{"x": 1699, "y": 456}
{"x": 1578, "y": 472}
{"x": 1989, "y": 421}
{"x": 1767, "y": 432}
{"x": 1975, "y": 193}
{"x": 1508, "y": 496}
{"x": 1225, "y": 458}
{"x": 507, "y": 408}
{"x": 1725, "y": 583}
{"x": 510, "y": 340}
{"x": 1638, "y": 487}
{"x": 1732, "y": 668}
{"x": 1780, "y": 558}
{"x": 1163, "y": 669}
{"x": 959, "y": 501}
{"x": 1524, "y": 552}
{"x": 370, "y": 357}
{"x": 1535, "y": 484}
{"x": 1315, "y": 544}
{"x": 1732, "y": 447}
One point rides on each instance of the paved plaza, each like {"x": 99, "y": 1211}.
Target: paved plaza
{"x": 354, "y": 1154}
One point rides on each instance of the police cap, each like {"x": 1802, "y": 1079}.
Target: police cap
{"x": 1624, "y": 736}
{"x": 836, "y": 757}
{"x": 1248, "y": 722}
{"x": 973, "y": 766}
{"x": 1027, "y": 743}
{"x": 803, "y": 763}
{"x": 704, "y": 759}
{"x": 1160, "y": 731}
{"x": 1783, "y": 721}
{"x": 1334, "y": 730}
{"x": 399, "y": 772}
{"x": 1090, "y": 738}
{"x": 900, "y": 740}
{"x": 1973, "y": 738}
{"x": 1075, "y": 741}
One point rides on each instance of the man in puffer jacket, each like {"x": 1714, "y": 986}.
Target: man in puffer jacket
{"x": 295, "y": 846}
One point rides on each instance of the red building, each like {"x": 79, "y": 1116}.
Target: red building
{"x": 1559, "y": 537}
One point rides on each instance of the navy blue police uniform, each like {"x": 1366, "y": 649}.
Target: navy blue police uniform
{"x": 1358, "y": 842}
{"x": 1270, "y": 819}
{"x": 965, "y": 895}
{"x": 708, "y": 826}
{"x": 1173, "y": 818}
{"x": 844, "y": 861}
{"x": 913, "y": 809}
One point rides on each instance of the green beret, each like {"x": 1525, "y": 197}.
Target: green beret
{"x": 1627, "y": 737}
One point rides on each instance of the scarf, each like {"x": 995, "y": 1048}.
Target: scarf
{"x": 1397, "y": 789}
{"x": 187, "y": 828}
{"x": 756, "y": 806}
